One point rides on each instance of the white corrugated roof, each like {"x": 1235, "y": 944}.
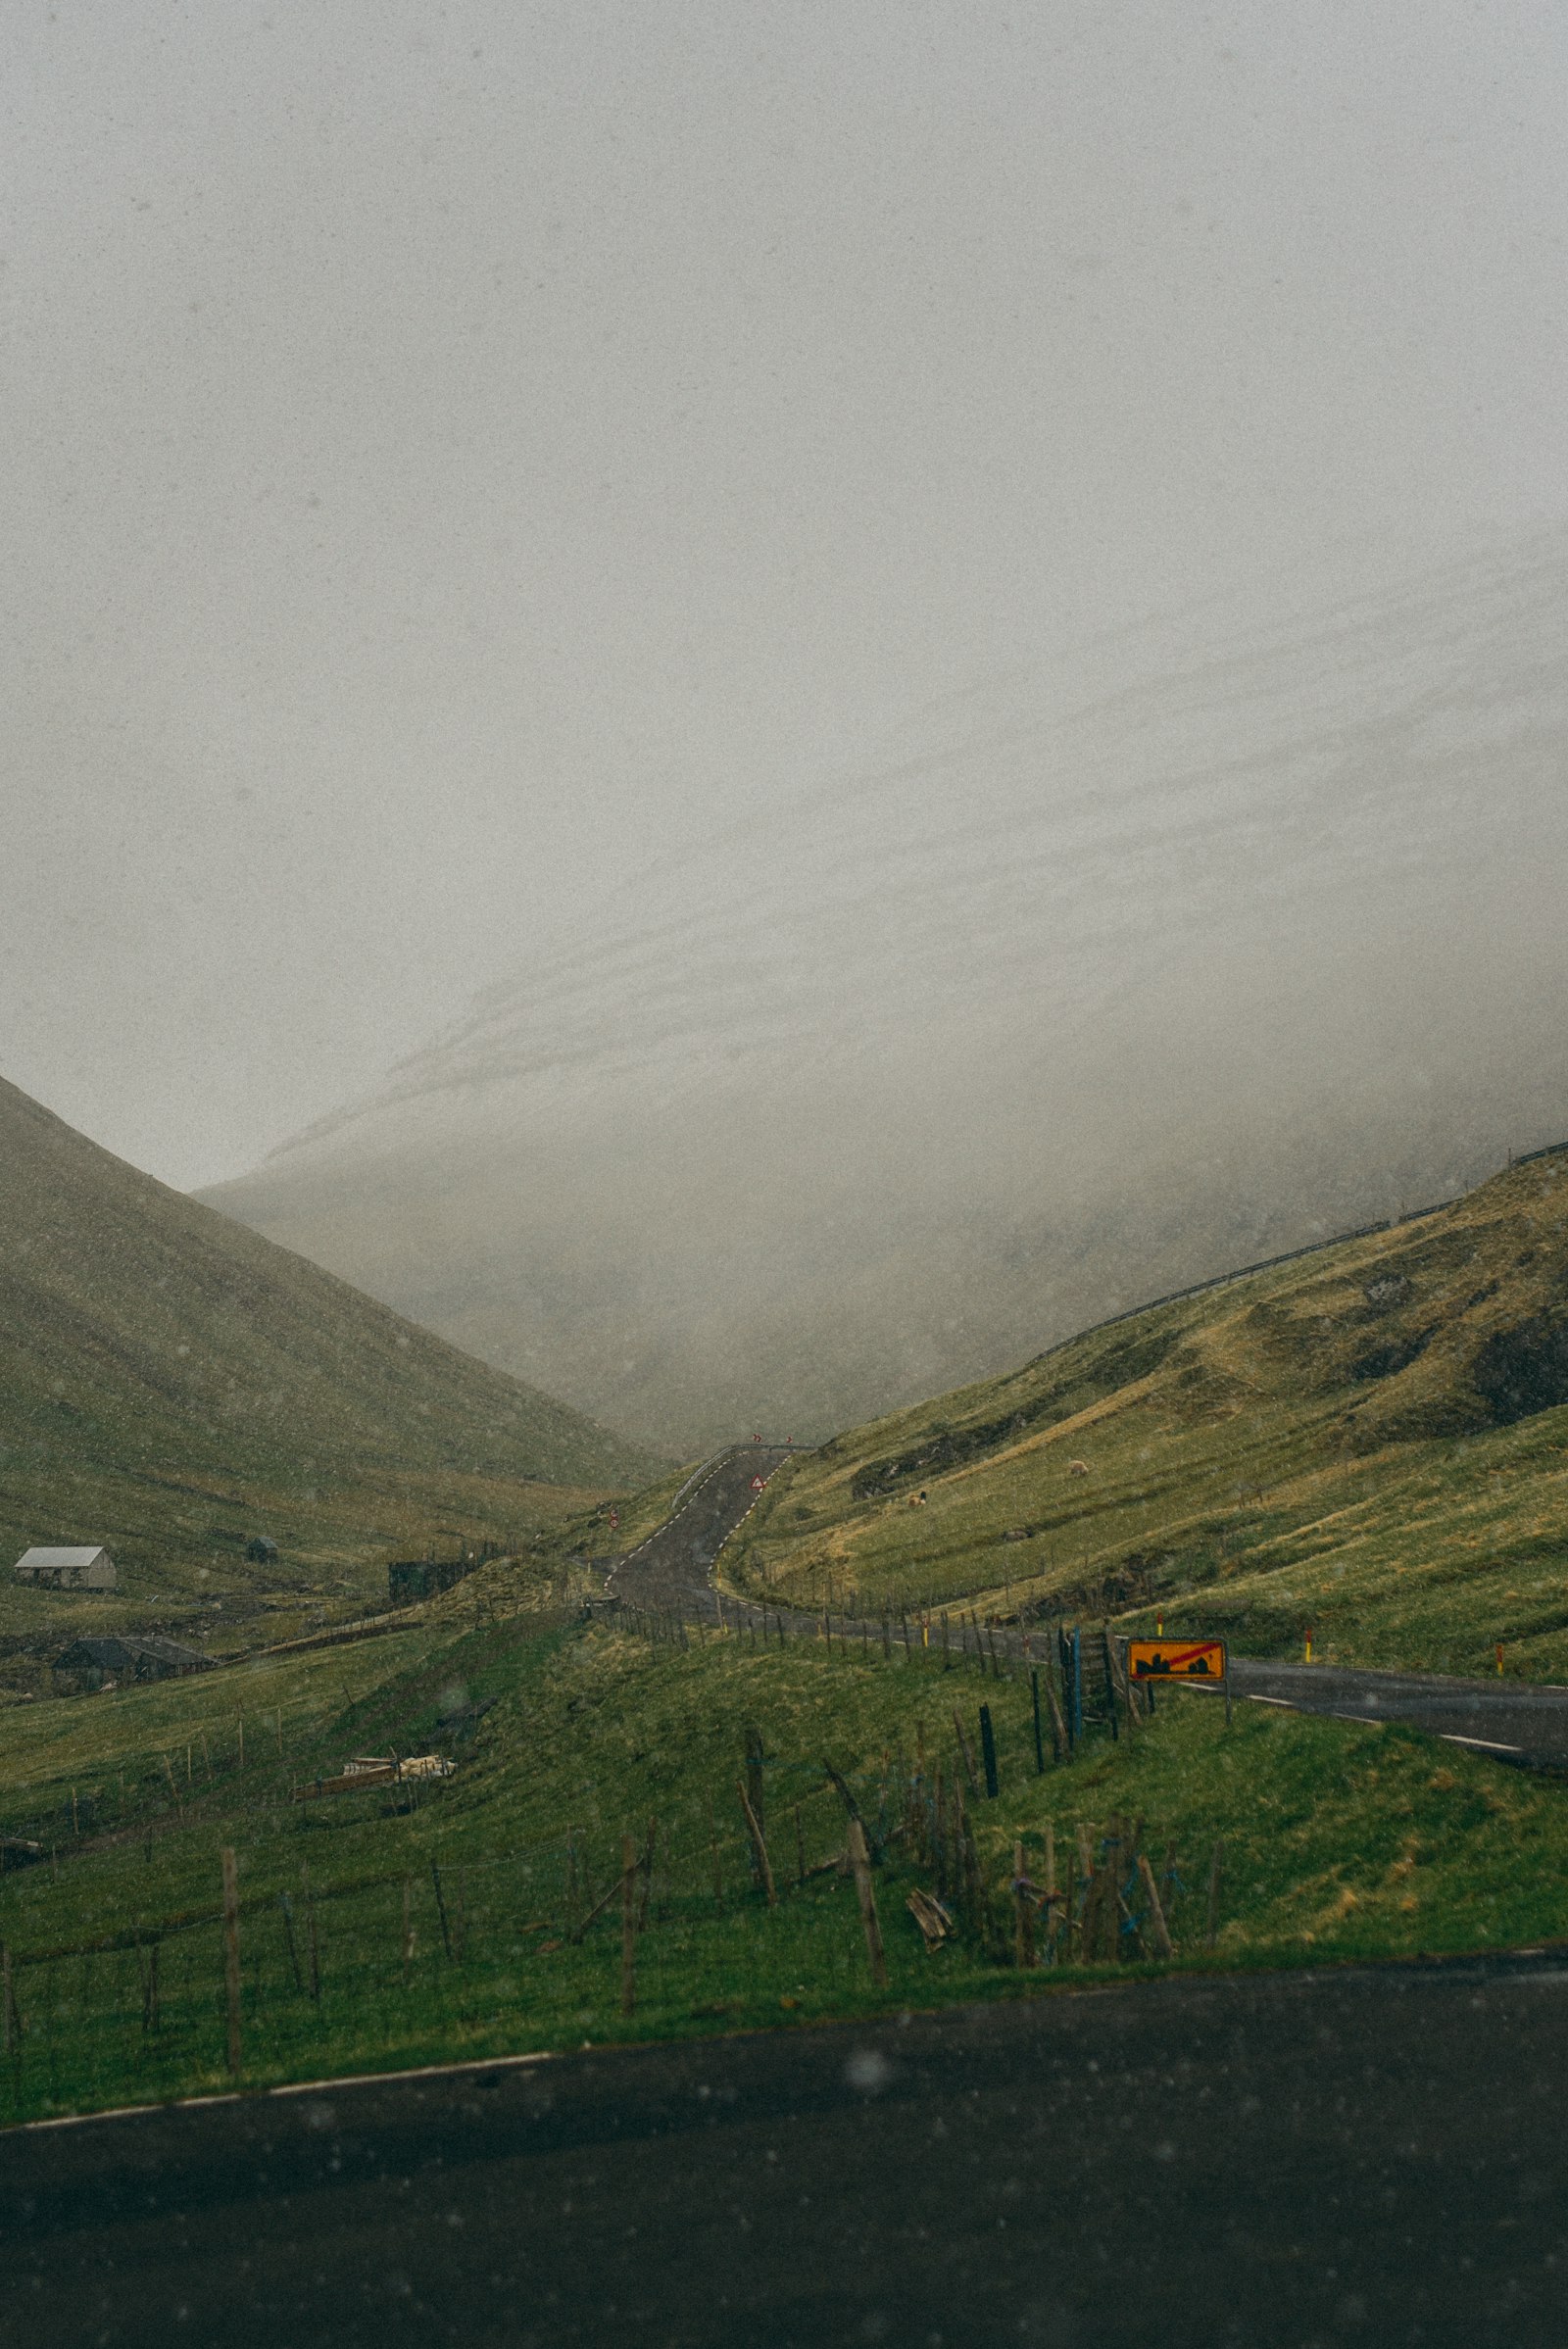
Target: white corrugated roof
{"x": 60, "y": 1558}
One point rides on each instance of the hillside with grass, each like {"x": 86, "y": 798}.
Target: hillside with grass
{"x": 1368, "y": 1442}
{"x": 173, "y": 1385}
{"x": 483, "y": 1913}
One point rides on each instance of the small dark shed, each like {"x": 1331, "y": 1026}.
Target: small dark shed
{"x": 261, "y": 1549}
{"x": 90, "y": 1663}
{"x": 422, "y": 1578}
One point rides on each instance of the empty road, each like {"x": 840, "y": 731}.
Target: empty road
{"x": 1360, "y": 2157}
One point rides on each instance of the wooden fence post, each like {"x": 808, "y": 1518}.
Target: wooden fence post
{"x": 1157, "y": 1915}
{"x": 1050, "y": 1891}
{"x": 861, "y": 1862}
{"x": 8, "y": 2001}
{"x": 974, "y": 1890}
{"x": 628, "y": 1925}
{"x": 309, "y": 1936}
{"x": 441, "y": 1911}
{"x": 649, "y": 1857}
{"x": 1213, "y": 1893}
{"x": 573, "y": 1903}
{"x": 408, "y": 1926}
{"x": 964, "y": 1755}
{"x": 288, "y": 1908}
{"x": 753, "y": 1774}
{"x": 764, "y": 1865}
{"x": 231, "y": 1956}
{"x": 1026, "y": 1922}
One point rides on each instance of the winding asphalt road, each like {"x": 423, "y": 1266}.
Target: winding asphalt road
{"x": 674, "y": 1567}
{"x": 1520, "y": 1721}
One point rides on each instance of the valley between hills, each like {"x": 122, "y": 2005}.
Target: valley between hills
{"x": 639, "y": 1819}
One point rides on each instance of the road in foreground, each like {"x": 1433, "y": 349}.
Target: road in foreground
{"x": 1295, "y": 2160}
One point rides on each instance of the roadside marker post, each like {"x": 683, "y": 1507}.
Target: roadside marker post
{"x": 988, "y": 1752}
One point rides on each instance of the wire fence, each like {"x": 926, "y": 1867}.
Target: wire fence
{"x": 766, "y": 1890}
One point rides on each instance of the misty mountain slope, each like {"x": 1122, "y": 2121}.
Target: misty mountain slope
{"x": 1100, "y": 983}
{"x": 171, "y": 1384}
{"x": 1370, "y": 1444}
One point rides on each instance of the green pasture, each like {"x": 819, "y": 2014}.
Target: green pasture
{"x": 1339, "y": 1841}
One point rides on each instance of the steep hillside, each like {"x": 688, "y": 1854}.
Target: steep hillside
{"x": 1094, "y": 985}
{"x": 1369, "y": 1442}
{"x": 172, "y": 1384}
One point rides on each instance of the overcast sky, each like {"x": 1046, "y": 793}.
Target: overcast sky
{"x": 456, "y": 457}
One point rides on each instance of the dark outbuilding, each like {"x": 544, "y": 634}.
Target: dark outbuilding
{"x": 90, "y": 1663}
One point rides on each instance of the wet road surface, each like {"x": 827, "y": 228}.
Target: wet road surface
{"x": 1371, "y": 2157}
{"x": 1513, "y": 1719}
{"x": 673, "y": 1566}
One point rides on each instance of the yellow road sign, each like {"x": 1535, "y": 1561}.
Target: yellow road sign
{"x": 1176, "y": 1659}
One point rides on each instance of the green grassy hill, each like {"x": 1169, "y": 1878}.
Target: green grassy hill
{"x": 378, "y": 1930}
{"x": 172, "y": 1384}
{"x": 1369, "y": 1442}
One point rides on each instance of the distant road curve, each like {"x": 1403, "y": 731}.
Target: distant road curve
{"x": 674, "y": 1567}
{"x": 1517, "y": 1721}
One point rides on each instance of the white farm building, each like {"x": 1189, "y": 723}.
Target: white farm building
{"x": 66, "y": 1569}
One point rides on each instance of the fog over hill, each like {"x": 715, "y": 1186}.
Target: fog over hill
{"x": 1085, "y": 991}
